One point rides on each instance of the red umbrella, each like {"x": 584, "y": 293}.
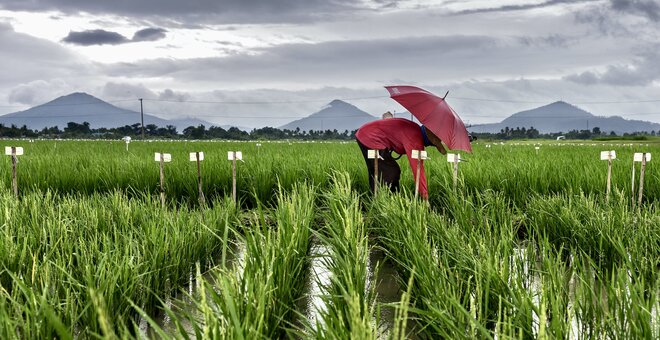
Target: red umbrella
{"x": 435, "y": 114}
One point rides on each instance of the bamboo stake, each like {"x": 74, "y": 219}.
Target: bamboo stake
{"x": 419, "y": 168}
{"x": 641, "y": 180}
{"x": 609, "y": 177}
{"x": 202, "y": 201}
{"x": 233, "y": 174}
{"x": 456, "y": 158}
{"x": 162, "y": 180}
{"x": 632, "y": 190}
{"x": 376, "y": 173}
{"x": 14, "y": 180}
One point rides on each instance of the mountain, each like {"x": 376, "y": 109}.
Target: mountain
{"x": 81, "y": 107}
{"x": 563, "y": 117}
{"x": 337, "y": 115}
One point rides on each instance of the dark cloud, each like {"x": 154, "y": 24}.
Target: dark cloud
{"x": 95, "y": 37}
{"x": 358, "y": 62}
{"x": 149, "y": 34}
{"x": 641, "y": 72}
{"x": 197, "y": 11}
{"x": 316, "y": 63}
{"x": 647, "y": 8}
{"x": 523, "y": 7}
{"x": 103, "y": 37}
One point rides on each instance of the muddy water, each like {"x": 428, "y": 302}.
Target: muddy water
{"x": 381, "y": 276}
{"x": 181, "y": 302}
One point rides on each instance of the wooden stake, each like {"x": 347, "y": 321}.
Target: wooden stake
{"x": 632, "y": 191}
{"x": 376, "y": 173}
{"x": 641, "y": 180}
{"x": 162, "y": 180}
{"x": 456, "y": 171}
{"x": 14, "y": 181}
{"x": 419, "y": 168}
{"x": 609, "y": 176}
{"x": 233, "y": 174}
{"x": 202, "y": 201}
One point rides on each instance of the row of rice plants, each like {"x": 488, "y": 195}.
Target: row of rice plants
{"x": 349, "y": 301}
{"x": 77, "y": 266}
{"x": 470, "y": 276}
{"x": 258, "y": 298}
{"x": 102, "y": 166}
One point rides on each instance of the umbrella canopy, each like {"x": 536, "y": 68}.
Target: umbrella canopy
{"x": 435, "y": 114}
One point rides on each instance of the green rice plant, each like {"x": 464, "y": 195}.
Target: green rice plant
{"x": 258, "y": 299}
{"x": 89, "y": 259}
{"x": 348, "y": 300}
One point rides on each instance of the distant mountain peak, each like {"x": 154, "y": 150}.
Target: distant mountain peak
{"x": 338, "y": 115}
{"x": 338, "y": 102}
{"x": 561, "y": 116}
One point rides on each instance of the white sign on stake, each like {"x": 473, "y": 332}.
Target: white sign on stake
{"x": 639, "y": 156}
{"x": 230, "y": 155}
{"x": 166, "y": 157}
{"x": 371, "y": 154}
{"x": 453, "y": 157}
{"x": 416, "y": 154}
{"x": 8, "y": 151}
{"x": 606, "y": 155}
{"x": 193, "y": 156}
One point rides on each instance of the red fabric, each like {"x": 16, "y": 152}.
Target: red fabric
{"x": 400, "y": 135}
{"x": 435, "y": 114}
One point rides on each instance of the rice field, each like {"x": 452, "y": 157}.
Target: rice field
{"x": 525, "y": 246}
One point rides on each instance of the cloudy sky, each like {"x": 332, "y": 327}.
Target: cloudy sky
{"x": 266, "y": 62}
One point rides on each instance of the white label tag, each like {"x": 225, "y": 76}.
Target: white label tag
{"x": 371, "y": 154}
{"x": 166, "y": 157}
{"x": 239, "y": 155}
{"x": 193, "y": 156}
{"x": 451, "y": 158}
{"x": 639, "y": 156}
{"x": 416, "y": 154}
{"x": 605, "y": 155}
{"x": 19, "y": 151}
{"x": 536, "y": 148}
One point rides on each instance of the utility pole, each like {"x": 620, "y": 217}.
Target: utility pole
{"x": 142, "y": 117}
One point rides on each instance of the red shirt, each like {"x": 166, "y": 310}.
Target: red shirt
{"x": 400, "y": 135}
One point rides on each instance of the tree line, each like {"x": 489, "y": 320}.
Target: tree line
{"x": 84, "y": 130}
{"x": 532, "y": 133}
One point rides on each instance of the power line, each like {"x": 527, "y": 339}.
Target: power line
{"x": 262, "y": 102}
{"x": 268, "y": 102}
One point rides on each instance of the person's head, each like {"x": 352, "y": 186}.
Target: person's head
{"x": 388, "y": 114}
{"x": 436, "y": 141}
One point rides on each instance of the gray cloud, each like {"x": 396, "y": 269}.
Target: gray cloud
{"x": 213, "y": 11}
{"x": 647, "y": 8}
{"x": 523, "y": 7}
{"x": 149, "y": 34}
{"x": 103, "y": 37}
{"x": 95, "y": 37}
{"x": 641, "y": 72}
{"x": 368, "y": 62}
